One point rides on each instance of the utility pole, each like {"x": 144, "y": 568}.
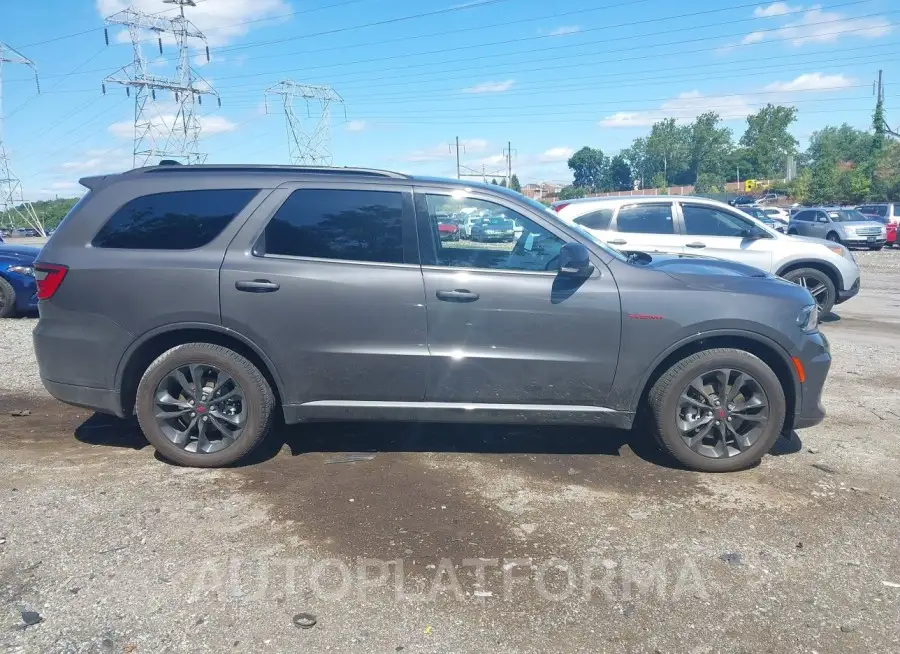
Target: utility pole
{"x": 508, "y": 153}
{"x": 879, "y": 108}
{"x": 12, "y": 199}
{"x": 157, "y": 133}
{"x": 309, "y": 136}
{"x": 457, "y": 147}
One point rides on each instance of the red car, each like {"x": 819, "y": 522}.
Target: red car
{"x": 890, "y": 226}
{"x": 448, "y": 231}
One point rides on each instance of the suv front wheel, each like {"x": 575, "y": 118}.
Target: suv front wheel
{"x": 204, "y": 405}
{"x": 718, "y": 410}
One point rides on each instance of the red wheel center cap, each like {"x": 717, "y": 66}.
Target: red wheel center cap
{"x": 201, "y": 408}
{"x": 721, "y": 414}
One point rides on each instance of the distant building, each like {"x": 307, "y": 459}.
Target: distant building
{"x": 546, "y": 191}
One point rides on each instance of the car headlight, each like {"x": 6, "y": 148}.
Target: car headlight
{"x": 851, "y": 231}
{"x": 808, "y": 320}
{"x": 841, "y": 251}
{"x": 22, "y": 270}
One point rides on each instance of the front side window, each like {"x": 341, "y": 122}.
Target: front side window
{"x": 180, "y": 220}
{"x": 709, "y": 221}
{"x": 494, "y": 237}
{"x": 338, "y": 224}
{"x": 646, "y": 219}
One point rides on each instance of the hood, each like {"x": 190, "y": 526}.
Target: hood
{"x": 860, "y": 223}
{"x": 18, "y": 254}
{"x": 691, "y": 264}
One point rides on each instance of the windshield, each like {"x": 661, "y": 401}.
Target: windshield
{"x": 498, "y": 222}
{"x": 846, "y": 215}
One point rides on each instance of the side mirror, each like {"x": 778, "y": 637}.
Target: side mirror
{"x": 752, "y": 233}
{"x": 575, "y": 261}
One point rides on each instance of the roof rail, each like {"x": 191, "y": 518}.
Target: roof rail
{"x": 167, "y": 167}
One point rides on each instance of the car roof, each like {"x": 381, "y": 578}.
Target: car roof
{"x": 636, "y": 199}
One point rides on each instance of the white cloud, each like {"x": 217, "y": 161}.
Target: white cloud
{"x": 565, "y": 29}
{"x": 557, "y": 154}
{"x": 490, "y": 87}
{"x": 685, "y": 108}
{"x": 774, "y": 9}
{"x": 209, "y": 125}
{"x": 812, "y": 82}
{"x": 438, "y": 152}
{"x": 355, "y": 126}
{"x": 818, "y": 26}
{"x": 98, "y": 161}
{"x": 221, "y": 20}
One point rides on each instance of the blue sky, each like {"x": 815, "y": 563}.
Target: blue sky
{"x": 549, "y": 77}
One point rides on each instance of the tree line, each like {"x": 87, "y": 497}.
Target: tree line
{"x": 841, "y": 165}
{"x": 49, "y": 212}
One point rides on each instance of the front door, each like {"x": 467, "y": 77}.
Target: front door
{"x": 714, "y": 232}
{"x": 326, "y": 281}
{"x": 503, "y": 326}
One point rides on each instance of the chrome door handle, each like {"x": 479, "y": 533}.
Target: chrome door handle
{"x": 618, "y": 241}
{"x": 696, "y": 244}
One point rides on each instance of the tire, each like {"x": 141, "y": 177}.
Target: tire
{"x": 258, "y": 399}
{"x": 665, "y": 396}
{"x": 792, "y": 232}
{"x": 830, "y": 293}
{"x": 7, "y": 299}
{"x": 834, "y": 238}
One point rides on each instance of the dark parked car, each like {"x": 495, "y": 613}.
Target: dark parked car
{"x": 17, "y": 284}
{"x": 764, "y": 218}
{"x": 495, "y": 228}
{"x": 204, "y": 299}
{"x": 743, "y": 201}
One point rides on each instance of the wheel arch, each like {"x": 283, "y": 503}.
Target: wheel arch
{"x": 823, "y": 266}
{"x": 773, "y": 354}
{"x": 145, "y": 349}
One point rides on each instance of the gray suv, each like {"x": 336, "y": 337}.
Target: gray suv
{"x": 204, "y": 299}
{"x": 839, "y": 224}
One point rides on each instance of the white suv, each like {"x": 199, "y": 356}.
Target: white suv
{"x": 691, "y": 225}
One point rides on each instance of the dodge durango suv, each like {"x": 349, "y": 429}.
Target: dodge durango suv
{"x": 204, "y": 299}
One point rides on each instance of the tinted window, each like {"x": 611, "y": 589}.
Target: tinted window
{"x": 804, "y": 216}
{"x": 596, "y": 219}
{"x": 181, "y": 220}
{"x": 845, "y": 215}
{"x": 510, "y": 243}
{"x": 645, "y": 219}
{"x": 339, "y": 224}
{"x": 880, "y": 209}
{"x": 708, "y": 221}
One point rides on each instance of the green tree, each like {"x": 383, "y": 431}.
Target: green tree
{"x": 618, "y": 175}
{"x": 823, "y": 188}
{"x": 514, "y": 184}
{"x": 659, "y": 183}
{"x": 709, "y": 183}
{"x": 768, "y": 140}
{"x": 669, "y": 151}
{"x": 801, "y": 185}
{"x": 840, "y": 144}
{"x": 710, "y": 146}
{"x": 494, "y": 181}
{"x": 588, "y": 166}
{"x": 638, "y": 159}
{"x": 572, "y": 192}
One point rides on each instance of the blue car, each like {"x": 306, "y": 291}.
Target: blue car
{"x": 18, "y": 288}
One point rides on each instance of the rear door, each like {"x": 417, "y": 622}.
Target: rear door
{"x": 325, "y": 279}
{"x": 646, "y": 227}
{"x": 715, "y": 232}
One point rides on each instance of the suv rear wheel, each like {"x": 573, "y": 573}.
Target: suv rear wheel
{"x": 204, "y": 405}
{"x": 718, "y": 410}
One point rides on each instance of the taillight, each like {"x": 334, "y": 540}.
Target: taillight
{"x": 48, "y": 276}
{"x": 559, "y": 207}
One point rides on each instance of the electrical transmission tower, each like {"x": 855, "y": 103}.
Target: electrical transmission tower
{"x": 309, "y": 132}
{"x": 12, "y": 199}
{"x": 163, "y": 130}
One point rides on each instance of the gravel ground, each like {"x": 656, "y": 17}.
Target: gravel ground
{"x": 118, "y": 551}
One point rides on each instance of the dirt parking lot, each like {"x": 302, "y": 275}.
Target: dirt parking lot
{"x": 458, "y": 538}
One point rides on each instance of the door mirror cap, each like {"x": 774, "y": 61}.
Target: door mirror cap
{"x": 753, "y": 233}
{"x": 575, "y": 260}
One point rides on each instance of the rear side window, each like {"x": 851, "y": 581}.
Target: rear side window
{"x": 596, "y": 219}
{"x": 804, "y": 216}
{"x": 646, "y": 219}
{"x": 180, "y": 220}
{"x": 338, "y": 224}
